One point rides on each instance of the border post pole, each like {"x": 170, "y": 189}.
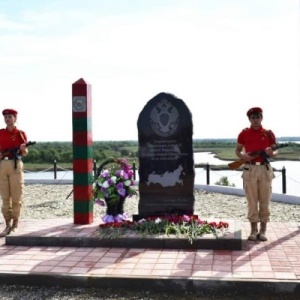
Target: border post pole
{"x": 82, "y": 152}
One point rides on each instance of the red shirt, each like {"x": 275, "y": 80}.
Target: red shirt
{"x": 11, "y": 139}
{"x": 256, "y": 140}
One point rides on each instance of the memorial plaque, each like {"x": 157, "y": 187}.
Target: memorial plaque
{"x": 166, "y": 160}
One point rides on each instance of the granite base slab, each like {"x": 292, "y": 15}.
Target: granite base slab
{"x": 80, "y": 236}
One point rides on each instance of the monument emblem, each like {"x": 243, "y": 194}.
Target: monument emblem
{"x": 79, "y": 104}
{"x": 164, "y": 118}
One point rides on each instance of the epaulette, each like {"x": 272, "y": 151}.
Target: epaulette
{"x": 245, "y": 129}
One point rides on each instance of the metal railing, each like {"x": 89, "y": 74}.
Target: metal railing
{"x": 283, "y": 171}
{"x": 207, "y": 169}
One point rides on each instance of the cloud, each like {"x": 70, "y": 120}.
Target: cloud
{"x": 220, "y": 59}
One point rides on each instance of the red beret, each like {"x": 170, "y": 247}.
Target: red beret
{"x": 254, "y": 110}
{"x": 9, "y": 111}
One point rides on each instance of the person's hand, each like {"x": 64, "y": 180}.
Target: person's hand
{"x": 22, "y": 147}
{"x": 247, "y": 157}
{"x": 269, "y": 151}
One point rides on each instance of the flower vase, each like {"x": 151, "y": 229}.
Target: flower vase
{"x": 111, "y": 208}
{"x": 120, "y": 205}
{"x": 114, "y": 210}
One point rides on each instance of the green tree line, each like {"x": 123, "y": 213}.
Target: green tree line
{"x": 62, "y": 152}
{"x": 47, "y": 152}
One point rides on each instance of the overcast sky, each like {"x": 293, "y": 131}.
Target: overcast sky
{"x": 220, "y": 57}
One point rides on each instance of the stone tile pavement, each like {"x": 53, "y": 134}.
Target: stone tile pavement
{"x": 273, "y": 265}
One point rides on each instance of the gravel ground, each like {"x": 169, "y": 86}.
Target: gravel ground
{"x": 49, "y": 201}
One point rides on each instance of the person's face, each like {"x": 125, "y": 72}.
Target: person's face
{"x": 255, "y": 120}
{"x": 9, "y": 119}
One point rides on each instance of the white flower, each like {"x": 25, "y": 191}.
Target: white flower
{"x": 114, "y": 178}
{"x": 158, "y": 220}
{"x": 105, "y": 184}
{"x": 127, "y": 182}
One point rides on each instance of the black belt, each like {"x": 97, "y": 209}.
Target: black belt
{"x": 257, "y": 163}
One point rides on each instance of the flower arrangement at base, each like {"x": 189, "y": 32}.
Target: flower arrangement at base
{"x": 189, "y": 227}
{"x": 111, "y": 188}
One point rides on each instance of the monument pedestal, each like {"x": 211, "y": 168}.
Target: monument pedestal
{"x": 232, "y": 240}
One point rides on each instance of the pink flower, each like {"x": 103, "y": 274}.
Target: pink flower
{"x": 186, "y": 218}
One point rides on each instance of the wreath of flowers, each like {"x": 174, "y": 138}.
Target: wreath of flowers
{"x": 190, "y": 227}
{"x": 115, "y": 181}
{"x": 113, "y": 185}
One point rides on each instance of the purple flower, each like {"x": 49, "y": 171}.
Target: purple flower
{"x": 99, "y": 202}
{"x": 114, "y": 182}
{"x": 104, "y": 174}
{"x": 110, "y": 181}
{"x": 108, "y": 219}
{"x": 122, "y": 192}
{"x": 125, "y": 175}
{"x": 118, "y": 218}
{"x": 120, "y": 185}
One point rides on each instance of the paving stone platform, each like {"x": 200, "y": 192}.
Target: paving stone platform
{"x": 262, "y": 268}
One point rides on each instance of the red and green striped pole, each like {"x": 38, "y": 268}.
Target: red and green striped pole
{"x": 82, "y": 152}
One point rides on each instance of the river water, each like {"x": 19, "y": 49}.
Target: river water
{"x": 234, "y": 177}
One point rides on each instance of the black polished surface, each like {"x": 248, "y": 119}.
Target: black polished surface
{"x": 166, "y": 162}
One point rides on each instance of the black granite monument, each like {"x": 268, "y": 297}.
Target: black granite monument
{"x": 166, "y": 161}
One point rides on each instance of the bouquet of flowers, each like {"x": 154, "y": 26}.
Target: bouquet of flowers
{"x": 113, "y": 185}
{"x": 189, "y": 227}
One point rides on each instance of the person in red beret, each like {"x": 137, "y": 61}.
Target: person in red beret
{"x": 11, "y": 170}
{"x": 257, "y": 171}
